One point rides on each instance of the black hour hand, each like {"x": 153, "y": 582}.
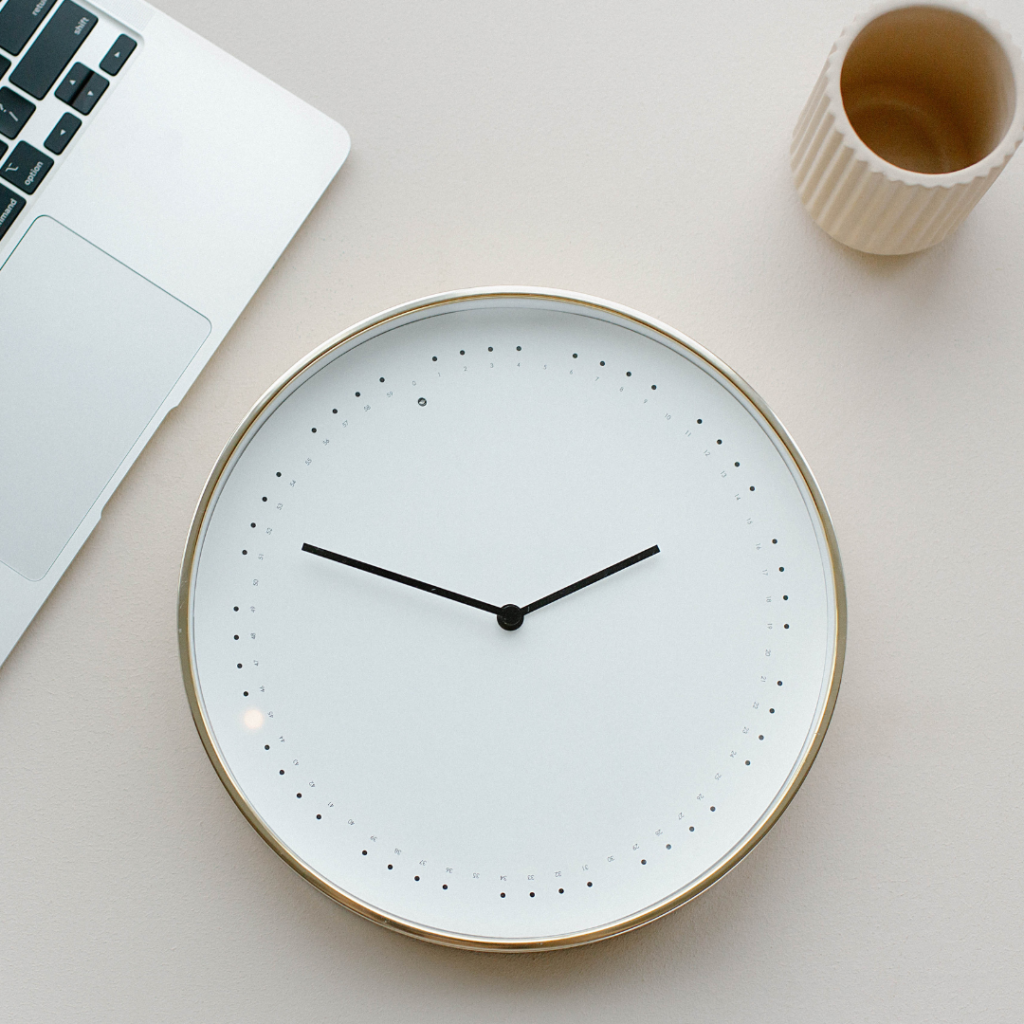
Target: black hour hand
{"x": 593, "y": 578}
{"x": 511, "y": 616}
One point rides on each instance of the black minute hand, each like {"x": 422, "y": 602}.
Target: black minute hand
{"x": 399, "y": 578}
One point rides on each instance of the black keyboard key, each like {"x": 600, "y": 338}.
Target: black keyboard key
{"x": 26, "y": 168}
{"x": 19, "y": 19}
{"x": 15, "y": 110}
{"x": 90, "y": 93}
{"x": 73, "y": 81}
{"x": 4, "y": 65}
{"x": 3, "y": 148}
{"x": 63, "y": 132}
{"x": 11, "y": 205}
{"x": 50, "y": 54}
{"x": 118, "y": 54}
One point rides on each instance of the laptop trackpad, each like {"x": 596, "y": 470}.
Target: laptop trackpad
{"x": 89, "y": 350}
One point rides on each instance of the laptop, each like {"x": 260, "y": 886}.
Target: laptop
{"x": 148, "y": 183}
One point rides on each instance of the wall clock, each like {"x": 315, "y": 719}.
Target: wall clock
{"x": 511, "y": 619}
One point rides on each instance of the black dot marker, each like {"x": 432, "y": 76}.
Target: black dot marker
{"x": 319, "y": 816}
{"x": 421, "y": 401}
{"x": 643, "y": 862}
{"x": 335, "y": 411}
{"x": 490, "y": 348}
{"x": 602, "y": 364}
{"x": 357, "y": 394}
{"x": 314, "y": 430}
{"x": 281, "y": 771}
{"x": 433, "y": 359}
{"x": 502, "y": 895}
{"x": 654, "y": 387}
{"x": 266, "y": 746}
{"x": 445, "y": 886}
{"x": 382, "y": 380}
{"x": 298, "y": 796}
{"x": 278, "y": 474}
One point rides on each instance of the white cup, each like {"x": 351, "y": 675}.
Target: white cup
{"x": 917, "y": 110}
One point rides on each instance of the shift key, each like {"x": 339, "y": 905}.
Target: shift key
{"x": 52, "y": 51}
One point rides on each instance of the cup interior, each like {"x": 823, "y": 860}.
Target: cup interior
{"x": 928, "y": 89}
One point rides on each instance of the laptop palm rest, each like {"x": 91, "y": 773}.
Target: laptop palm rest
{"x": 89, "y": 350}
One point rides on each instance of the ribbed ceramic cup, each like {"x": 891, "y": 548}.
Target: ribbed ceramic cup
{"x": 915, "y": 114}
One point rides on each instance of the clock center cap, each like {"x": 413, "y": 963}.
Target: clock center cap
{"x": 510, "y": 616}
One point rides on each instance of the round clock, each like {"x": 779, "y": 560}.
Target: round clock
{"x": 511, "y": 619}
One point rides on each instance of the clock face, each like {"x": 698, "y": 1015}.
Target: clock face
{"x": 524, "y": 777}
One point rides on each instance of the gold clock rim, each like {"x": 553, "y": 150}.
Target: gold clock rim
{"x": 439, "y": 936}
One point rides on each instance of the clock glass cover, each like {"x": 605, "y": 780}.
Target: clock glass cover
{"x": 385, "y": 691}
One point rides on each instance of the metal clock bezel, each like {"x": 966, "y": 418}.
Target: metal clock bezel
{"x": 438, "y": 936}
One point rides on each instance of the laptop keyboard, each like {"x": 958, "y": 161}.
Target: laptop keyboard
{"x": 38, "y": 40}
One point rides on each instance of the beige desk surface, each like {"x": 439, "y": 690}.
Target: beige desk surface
{"x": 637, "y": 151}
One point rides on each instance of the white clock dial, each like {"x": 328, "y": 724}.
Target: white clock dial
{"x": 511, "y": 788}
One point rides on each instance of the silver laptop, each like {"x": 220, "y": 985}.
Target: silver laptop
{"x": 142, "y": 202}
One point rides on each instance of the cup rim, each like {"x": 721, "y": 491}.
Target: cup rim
{"x": 993, "y": 160}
